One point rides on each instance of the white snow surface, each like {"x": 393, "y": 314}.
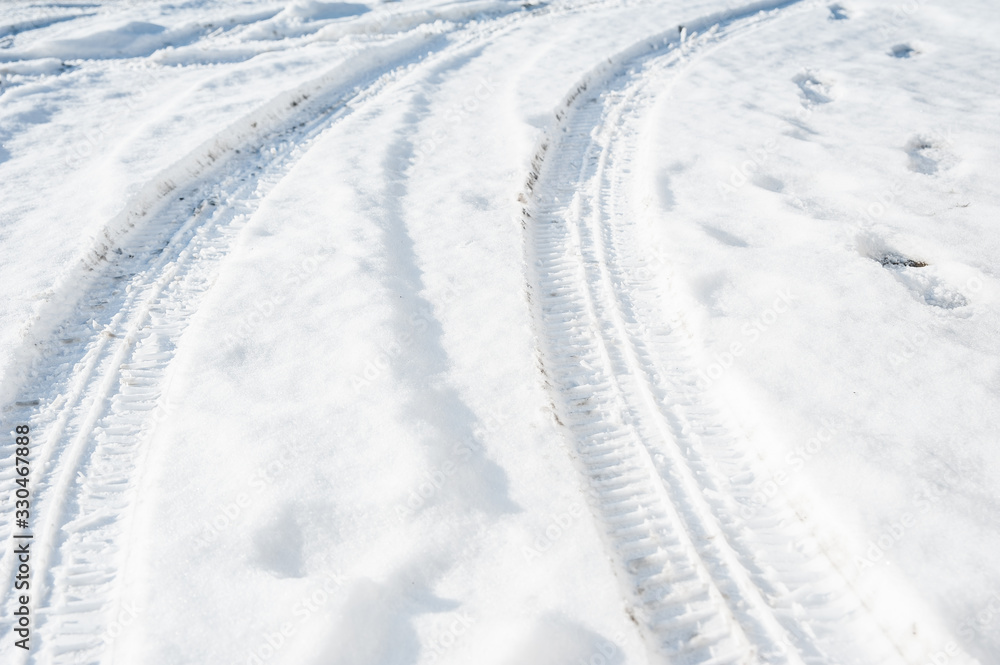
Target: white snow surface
{"x": 578, "y": 332}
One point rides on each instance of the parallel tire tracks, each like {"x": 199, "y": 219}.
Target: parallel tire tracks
{"x": 96, "y": 392}
{"x": 669, "y": 477}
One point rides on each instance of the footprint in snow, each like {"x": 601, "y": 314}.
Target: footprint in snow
{"x": 905, "y": 50}
{"x": 926, "y": 285}
{"x": 923, "y": 280}
{"x": 814, "y": 87}
{"x": 929, "y": 154}
{"x": 839, "y": 12}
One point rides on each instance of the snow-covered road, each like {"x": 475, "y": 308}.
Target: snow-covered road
{"x": 594, "y": 331}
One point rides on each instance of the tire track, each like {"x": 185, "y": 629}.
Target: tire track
{"x": 668, "y": 475}
{"x": 104, "y": 400}
{"x": 26, "y": 25}
{"x": 94, "y": 395}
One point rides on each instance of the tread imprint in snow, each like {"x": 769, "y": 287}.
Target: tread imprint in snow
{"x": 670, "y": 479}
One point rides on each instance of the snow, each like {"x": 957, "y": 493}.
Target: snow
{"x": 361, "y": 333}
{"x": 835, "y": 196}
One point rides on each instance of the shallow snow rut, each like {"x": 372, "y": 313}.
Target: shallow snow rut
{"x": 95, "y": 392}
{"x": 668, "y": 475}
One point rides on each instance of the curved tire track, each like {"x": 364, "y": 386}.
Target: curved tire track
{"x": 93, "y": 395}
{"x": 100, "y": 380}
{"x": 668, "y": 475}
